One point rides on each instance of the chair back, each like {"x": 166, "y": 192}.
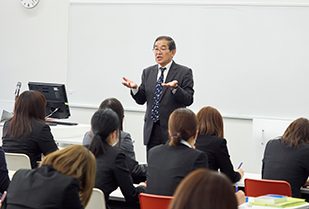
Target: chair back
{"x": 97, "y": 200}
{"x": 151, "y": 201}
{"x": 16, "y": 161}
{"x": 258, "y": 187}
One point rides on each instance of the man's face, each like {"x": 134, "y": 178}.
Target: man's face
{"x": 162, "y": 53}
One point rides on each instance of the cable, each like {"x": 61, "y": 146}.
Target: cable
{"x": 52, "y": 113}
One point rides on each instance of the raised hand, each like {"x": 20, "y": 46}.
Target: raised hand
{"x": 128, "y": 83}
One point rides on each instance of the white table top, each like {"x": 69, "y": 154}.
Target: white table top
{"x": 249, "y": 206}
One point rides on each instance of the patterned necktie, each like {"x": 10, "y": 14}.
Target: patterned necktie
{"x": 155, "y": 107}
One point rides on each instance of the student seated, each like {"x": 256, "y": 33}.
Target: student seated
{"x": 112, "y": 168}
{"x": 168, "y": 164}
{"x": 4, "y": 177}
{"x": 65, "y": 179}
{"x": 138, "y": 171}
{"x": 210, "y": 140}
{"x": 287, "y": 158}
{"x": 26, "y": 132}
{"x": 206, "y": 189}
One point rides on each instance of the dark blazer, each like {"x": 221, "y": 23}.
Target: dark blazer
{"x": 168, "y": 101}
{"x": 4, "y": 177}
{"x": 112, "y": 171}
{"x": 281, "y": 162}
{"x": 218, "y": 155}
{"x": 41, "y": 188}
{"x": 138, "y": 171}
{"x": 39, "y": 142}
{"x": 168, "y": 165}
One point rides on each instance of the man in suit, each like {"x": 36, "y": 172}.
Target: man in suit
{"x": 165, "y": 87}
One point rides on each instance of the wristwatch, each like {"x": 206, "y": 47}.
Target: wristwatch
{"x": 174, "y": 90}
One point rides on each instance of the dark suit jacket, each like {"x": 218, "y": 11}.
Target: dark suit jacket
{"x": 138, "y": 171}
{"x": 218, "y": 155}
{"x": 39, "y": 142}
{"x": 281, "y": 162}
{"x": 42, "y": 188}
{"x": 168, "y": 165}
{"x": 113, "y": 171}
{"x": 168, "y": 101}
{"x": 4, "y": 177}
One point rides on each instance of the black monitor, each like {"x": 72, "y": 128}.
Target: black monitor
{"x": 57, "y": 102}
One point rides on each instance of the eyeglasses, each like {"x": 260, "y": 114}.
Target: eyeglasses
{"x": 157, "y": 50}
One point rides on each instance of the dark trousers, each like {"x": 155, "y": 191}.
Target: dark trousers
{"x": 156, "y": 137}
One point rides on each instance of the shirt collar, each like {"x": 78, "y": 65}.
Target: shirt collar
{"x": 168, "y": 66}
{"x": 185, "y": 143}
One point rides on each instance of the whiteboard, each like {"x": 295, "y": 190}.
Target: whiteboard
{"x": 247, "y": 61}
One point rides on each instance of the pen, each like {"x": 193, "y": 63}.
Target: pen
{"x": 3, "y": 196}
{"x": 236, "y": 187}
{"x": 239, "y": 165}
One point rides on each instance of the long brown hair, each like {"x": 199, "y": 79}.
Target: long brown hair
{"x": 296, "y": 133}
{"x": 29, "y": 106}
{"x": 210, "y": 122}
{"x": 182, "y": 124}
{"x": 76, "y": 161}
{"x": 204, "y": 189}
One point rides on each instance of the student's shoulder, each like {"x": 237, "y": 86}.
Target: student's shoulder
{"x": 207, "y": 140}
{"x": 125, "y": 136}
{"x": 39, "y": 124}
{"x": 158, "y": 148}
{"x": 274, "y": 142}
{"x": 304, "y": 147}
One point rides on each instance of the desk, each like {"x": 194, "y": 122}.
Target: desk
{"x": 249, "y": 206}
{"x": 67, "y": 135}
{"x": 117, "y": 196}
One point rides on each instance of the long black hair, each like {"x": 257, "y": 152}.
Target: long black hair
{"x": 117, "y": 107}
{"x": 103, "y": 123}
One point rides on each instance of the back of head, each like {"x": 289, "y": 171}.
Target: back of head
{"x": 29, "y": 105}
{"x": 297, "y": 132}
{"x": 182, "y": 124}
{"x": 204, "y": 189}
{"x": 210, "y": 122}
{"x": 116, "y": 106}
{"x": 171, "y": 42}
{"x": 76, "y": 161}
{"x": 103, "y": 123}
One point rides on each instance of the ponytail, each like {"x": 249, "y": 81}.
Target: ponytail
{"x": 175, "y": 139}
{"x": 103, "y": 123}
{"x": 97, "y": 145}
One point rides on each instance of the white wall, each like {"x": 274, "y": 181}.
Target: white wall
{"x": 34, "y": 47}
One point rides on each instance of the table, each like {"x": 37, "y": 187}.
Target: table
{"x": 69, "y": 134}
{"x": 249, "y": 206}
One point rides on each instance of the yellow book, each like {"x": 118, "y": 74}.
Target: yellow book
{"x": 270, "y": 199}
{"x": 290, "y": 202}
